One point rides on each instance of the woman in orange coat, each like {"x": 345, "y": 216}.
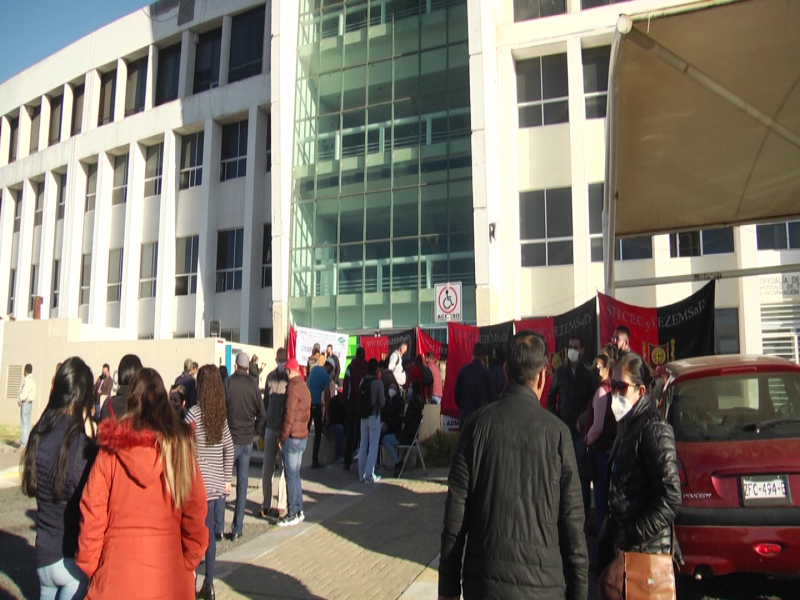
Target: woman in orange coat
{"x": 144, "y": 505}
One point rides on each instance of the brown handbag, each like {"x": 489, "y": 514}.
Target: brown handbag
{"x": 637, "y": 576}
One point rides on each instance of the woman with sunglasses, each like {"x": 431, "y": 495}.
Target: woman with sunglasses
{"x": 644, "y": 485}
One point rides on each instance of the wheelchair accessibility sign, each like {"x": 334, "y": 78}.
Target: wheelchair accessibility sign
{"x": 448, "y": 302}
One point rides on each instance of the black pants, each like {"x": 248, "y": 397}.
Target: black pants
{"x": 316, "y": 417}
{"x": 352, "y": 430}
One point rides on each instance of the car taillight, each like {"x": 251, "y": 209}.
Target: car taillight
{"x": 767, "y": 549}
{"x": 682, "y": 473}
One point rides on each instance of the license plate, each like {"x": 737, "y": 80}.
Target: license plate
{"x": 765, "y": 489}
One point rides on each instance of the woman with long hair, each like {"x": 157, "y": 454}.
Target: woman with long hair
{"x": 57, "y": 460}
{"x": 215, "y": 457}
{"x": 115, "y": 406}
{"x": 144, "y": 506}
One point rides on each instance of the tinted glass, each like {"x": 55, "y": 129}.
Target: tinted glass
{"x": 596, "y": 208}
{"x": 595, "y": 69}
{"x": 718, "y": 241}
{"x": 534, "y": 255}
{"x": 247, "y": 44}
{"x": 554, "y": 76}
{"x": 559, "y": 213}
{"x": 77, "y": 109}
{"x": 772, "y": 236}
{"x": 206, "y": 60}
{"x": 169, "y": 63}
{"x": 531, "y": 215}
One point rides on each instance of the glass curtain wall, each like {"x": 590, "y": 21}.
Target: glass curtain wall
{"x": 382, "y": 194}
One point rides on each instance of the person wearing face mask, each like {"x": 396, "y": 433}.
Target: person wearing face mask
{"x": 644, "y": 484}
{"x": 570, "y": 393}
{"x": 274, "y": 402}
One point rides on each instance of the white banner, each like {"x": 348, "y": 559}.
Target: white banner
{"x": 306, "y": 338}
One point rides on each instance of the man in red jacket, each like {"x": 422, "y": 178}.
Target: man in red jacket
{"x": 356, "y": 371}
{"x": 293, "y": 438}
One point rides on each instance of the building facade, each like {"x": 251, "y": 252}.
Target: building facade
{"x": 249, "y": 165}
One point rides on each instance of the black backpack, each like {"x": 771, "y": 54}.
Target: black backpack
{"x": 365, "y": 405}
{"x": 427, "y": 376}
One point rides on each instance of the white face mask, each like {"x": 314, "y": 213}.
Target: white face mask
{"x": 573, "y": 355}
{"x": 620, "y": 406}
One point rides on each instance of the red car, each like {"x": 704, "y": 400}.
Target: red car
{"x": 737, "y": 427}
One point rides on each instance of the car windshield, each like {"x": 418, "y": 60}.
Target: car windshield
{"x": 746, "y": 406}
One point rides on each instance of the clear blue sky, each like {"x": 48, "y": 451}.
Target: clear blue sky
{"x": 35, "y": 29}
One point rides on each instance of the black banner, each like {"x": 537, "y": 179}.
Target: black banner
{"x": 409, "y": 337}
{"x": 581, "y": 322}
{"x": 496, "y": 335}
{"x": 685, "y": 329}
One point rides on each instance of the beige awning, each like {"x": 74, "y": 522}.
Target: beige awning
{"x": 687, "y": 157}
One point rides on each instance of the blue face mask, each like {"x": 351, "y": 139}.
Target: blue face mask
{"x": 281, "y": 367}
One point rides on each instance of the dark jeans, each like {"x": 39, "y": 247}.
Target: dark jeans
{"x": 241, "y": 458}
{"x": 316, "y": 417}
{"x": 211, "y": 552}
{"x": 337, "y": 431}
{"x": 601, "y": 488}
{"x": 586, "y": 486}
{"x": 219, "y": 516}
{"x": 352, "y": 428}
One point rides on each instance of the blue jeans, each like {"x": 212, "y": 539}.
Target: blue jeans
{"x": 601, "y": 488}
{"x": 25, "y": 422}
{"x": 293, "y": 449}
{"x": 337, "y": 431}
{"x": 211, "y": 552}
{"x": 241, "y": 460}
{"x": 62, "y": 580}
{"x": 370, "y": 438}
{"x": 219, "y": 516}
{"x": 390, "y": 442}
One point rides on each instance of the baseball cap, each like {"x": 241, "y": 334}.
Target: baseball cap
{"x": 242, "y": 360}
{"x": 293, "y": 365}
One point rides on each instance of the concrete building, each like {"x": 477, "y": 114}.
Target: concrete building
{"x": 254, "y": 164}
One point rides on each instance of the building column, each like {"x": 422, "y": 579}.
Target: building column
{"x": 66, "y": 113}
{"x": 5, "y": 140}
{"x": 25, "y": 253}
{"x": 44, "y": 123}
{"x": 72, "y": 240}
{"x": 207, "y": 261}
{"x": 122, "y": 85}
{"x": 746, "y": 246}
{"x": 101, "y": 240}
{"x": 165, "y": 288}
{"x": 225, "y": 50}
{"x": 186, "y": 75}
{"x": 91, "y": 97}
{"x": 132, "y": 255}
{"x": 47, "y": 242}
{"x": 24, "y": 133}
{"x": 152, "y": 69}
{"x": 6, "y": 237}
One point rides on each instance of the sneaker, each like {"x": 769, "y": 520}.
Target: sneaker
{"x": 301, "y": 516}
{"x": 374, "y": 479}
{"x": 289, "y": 520}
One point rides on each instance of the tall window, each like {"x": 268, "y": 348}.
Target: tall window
{"x": 627, "y": 249}
{"x": 779, "y": 236}
{"x": 186, "y": 256}
{"x": 191, "y": 160}
{"x": 269, "y": 143}
{"x": 36, "y": 119}
{"x": 108, "y": 89}
{"x": 56, "y": 282}
{"x": 525, "y": 10}
{"x": 12, "y": 287}
{"x": 39, "y": 206}
{"x": 542, "y": 91}
{"x": 119, "y": 191}
{"x": 701, "y": 243}
{"x": 56, "y": 110}
{"x": 726, "y": 331}
{"x": 77, "y": 110}
{"x": 266, "y": 256}
{"x": 230, "y": 248}
{"x": 545, "y": 221}
{"x": 247, "y": 44}
{"x": 91, "y": 186}
{"x": 595, "y": 80}
{"x": 13, "y": 126}
{"x": 17, "y": 199}
{"x": 86, "y": 279}
{"x": 34, "y": 291}
{"x": 234, "y": 151}
{"x": 154, "y": 164}
{"x": 61, "y": 204}
{"x": 135, "y": 88}
{"x": 114, "y": 276}
{"x": 148, "y": 270}
{"x": 169, "y": 66}
{"x": 206, "y": 61}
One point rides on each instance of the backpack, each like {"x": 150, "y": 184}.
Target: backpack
{"x": 365, "y": 405}
{"x": 427, "y": 376}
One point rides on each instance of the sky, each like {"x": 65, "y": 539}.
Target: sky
{"x": 35, "y": 29}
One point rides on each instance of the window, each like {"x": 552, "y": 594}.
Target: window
{"x": 627, "y": 249}
{"x": 269, "y": 143}
{"x": 13, "y": 142}
{"x": 525, "y": 10}
{"x": 91, "y": 186}
{"x": 726, "y": 331}
{"x": 119, "y": 191}
{"x": 585, "y": 4}
{"x": 191, "y": 160}
{"x": 34, "y": 286}
{"x": 266, "y": 257}
{"x": 36, "y": 117}
{"x": 86, "y": 279}
{"x": 12, "y": 286}
{"x": 148, "y": 271}
{"x": 61, "y": 205}
{"x": 542, "y": 91}
{"x": 206, "y": 61}
{"x": 39, "y": 206}
{"x": 114, "y": 276}
{"x": 169, "y": 66}
{"x": 56, "y": 109}
{"x": 701, "y": 243}
{"x": 779, "y": 236}
{"x": 595, "y": 80}
{"x": 135, "y": 88}
{"x": 230, "y": 335}
{"x": 186, "y": 256}
{"x": 265, "y": 337}
{"x": 234, "y": 151}
{"x": 108, "y": 89}
{"x": 77, "y": 110}
{"x": 16, "y": 198}
{"x": 545, "y": 220}
{"x": 154, "y": 164}
{"x": 247, "y": 45}
{"x": 56, "y": 282}
{"x": 230, "y": 247}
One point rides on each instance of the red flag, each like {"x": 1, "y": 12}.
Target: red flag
{"x": 461, "y": 341}
{"x": 291, "y": 345}
{"x": 546, "y": 328}
{"x": 376, "y": 347}
{"x": 426, "y": 343}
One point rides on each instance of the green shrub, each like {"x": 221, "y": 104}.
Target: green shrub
{"x": 440, "y": 448}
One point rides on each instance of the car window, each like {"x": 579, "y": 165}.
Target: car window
{"x": 735, "y": 407}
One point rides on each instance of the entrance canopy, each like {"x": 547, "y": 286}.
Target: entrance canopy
{"x": 703, "y": 125}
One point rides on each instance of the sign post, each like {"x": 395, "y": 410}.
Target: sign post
{"x": 448, "y": 302}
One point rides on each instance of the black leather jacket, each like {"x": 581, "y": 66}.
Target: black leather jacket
{"x": 644, "y": 486}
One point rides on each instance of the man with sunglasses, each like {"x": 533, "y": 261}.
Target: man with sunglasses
{"x": 622, "y": 340}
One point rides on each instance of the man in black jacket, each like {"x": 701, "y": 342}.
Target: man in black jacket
{"x": 474, "y": 387}
{"x": 514, "y": 496}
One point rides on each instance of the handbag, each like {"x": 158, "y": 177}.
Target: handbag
{"x": 637, "y": 576}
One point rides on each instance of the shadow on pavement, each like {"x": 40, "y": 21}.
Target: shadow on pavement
{"x": 256, "y": 582}
{"x": 19, "y": 560}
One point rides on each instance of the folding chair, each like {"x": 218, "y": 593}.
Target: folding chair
{"x": 407, "y": 448}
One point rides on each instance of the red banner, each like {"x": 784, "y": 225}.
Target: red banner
{"x": 291, "y": 345}
{"x": 461, "y": 340}
{"x": 642, "y": 322}
{"x": 426, "y": 343}
{"x": 546, "y": 328}
{"x": 375, "y": 347}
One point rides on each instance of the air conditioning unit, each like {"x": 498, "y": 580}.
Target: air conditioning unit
{"x": 215, "y": 328}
